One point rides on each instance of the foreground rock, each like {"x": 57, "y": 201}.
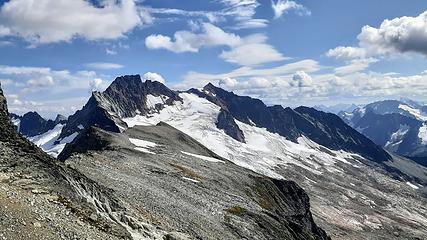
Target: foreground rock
{"x": 42, "y": 199}
{"x": 172, "y": 179}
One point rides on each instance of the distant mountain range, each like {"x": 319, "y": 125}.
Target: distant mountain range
{"x": 146, "y": 140}
{"x": 398, "y": 126}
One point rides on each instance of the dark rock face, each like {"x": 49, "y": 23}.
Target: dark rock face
{"x": 92, "y": 114}
{"x": 226, "y": 122}
{"x": 329, "y": 130}
{"x": 323, "y": 128}
{"x": 6, "y": 129}
{"x": 125, "y": 97}
{"x": 33, "y": 124}
{"x": 60, "y": 119}
{"x": 379, "y": 127}
{"x": 88, "y": 140}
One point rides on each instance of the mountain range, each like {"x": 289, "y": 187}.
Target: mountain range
{"x": 398, "y": 126}
{"x": 207, "y": 162}
{"x": 180, "y": 191}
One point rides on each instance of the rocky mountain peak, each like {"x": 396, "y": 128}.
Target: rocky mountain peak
{"x": 60, "y": 119}
{"x": 126, "y": 97}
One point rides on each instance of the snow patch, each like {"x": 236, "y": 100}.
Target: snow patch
{"x": 142, "y": 145}
{"x": 144, "y": 150}
{"x": 16, "y": 122}
{"x": 412, "y": 185}
{"x": 49, "y": 141}
{"x": 152, "y": 101}
{"x": 414, "y": 112}
{"x": 397, "y": 138}
{"x": 209, "y": 159}
{"x": 190, "y": 179}
{"x": 422, "y": 134}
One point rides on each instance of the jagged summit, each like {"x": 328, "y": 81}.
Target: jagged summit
{"x": 127, "y": 96}
{"x": 60, "y": 119}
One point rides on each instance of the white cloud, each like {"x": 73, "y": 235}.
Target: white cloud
{"x": 97, "y": 84}
{"x": 40, "y": 82}
{"x": 4, "y": 31}
{"x": 185, "y": 41}
{"x": 109, "y": 51}
{"x": 347, "y": 53}
{"x": 104, "y": 65}
{"x": 196, "y": 79}
{"x": 281, "y": 7}
{"x": 356, "y": 65}
{"x": 243, "y": 12}
{"x": 37, "y": 79}
{"x": 153, "y": 77}
{"x": 397, "y": 36}
{"x": 48, "y": 91}
{"x": 303, "y": 83}
{"x": 252, "y": 54}
{"x": 228, "y": 83}
{"x": 251, "y": 50}
{"x": 49, "y": 21}
{"x": 301, "y": 79}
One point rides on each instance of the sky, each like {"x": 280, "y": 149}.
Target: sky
{"x": 54, "y": 53}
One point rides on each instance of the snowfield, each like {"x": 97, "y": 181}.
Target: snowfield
{"x": 414, "y": 112}
{"x": 422, "y": 134}
{"x": 49, "y": 141}
{"x": 262, "y": 153}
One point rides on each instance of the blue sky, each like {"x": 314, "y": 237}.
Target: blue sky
{"x": 301, "y": 52}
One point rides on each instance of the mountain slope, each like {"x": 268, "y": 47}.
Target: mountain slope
{"x": 182, "y": 185}
{"x": 40, "y": 198}
{"x": 353, "y": 197}
{"x": 325, "y": 129}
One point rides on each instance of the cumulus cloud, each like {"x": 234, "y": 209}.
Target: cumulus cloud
{"x": 97, "y": 84}
{"x": 301, "y": 79}
{"x": 228, "y": 82}
{"x": 196, "y": 79}
{"x": 185, "y": 41}
{"x": 37, "y": 79}
{"x": 281, "y": 7}
{"x": 42, "y": 81}
{"x": 104, "y": 65}
{"x": 306, "y": 82}
{"x": 48, "y": 91}
{"x": 250, "y": 50}
{"x": 50, "y": 21}
{"x": 153, "y": 77}
{"x": 396, "y": 36}
{"x": 252, "y": 54}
